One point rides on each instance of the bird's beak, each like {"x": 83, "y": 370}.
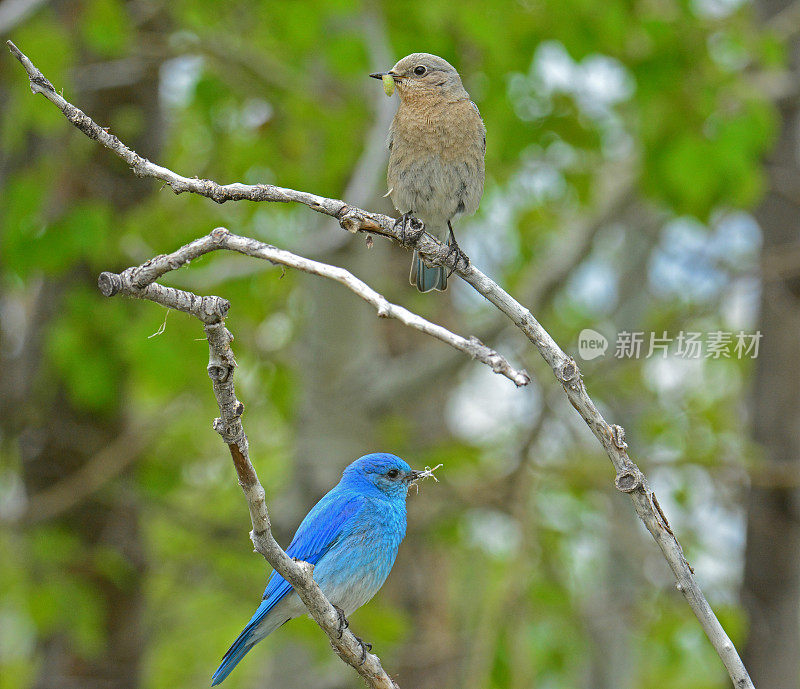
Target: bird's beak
{"x": 380, "y": 75}
{"x": 414, "y": 476}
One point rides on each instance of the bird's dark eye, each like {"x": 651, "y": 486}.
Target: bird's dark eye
{"x": 393, "y": 473}
{"x": 419, "y": 70}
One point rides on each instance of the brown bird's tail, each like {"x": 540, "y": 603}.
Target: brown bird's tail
{"x": 427, "y": 278}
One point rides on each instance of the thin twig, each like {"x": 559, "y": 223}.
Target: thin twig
{"x": 139, "y": 282}
{"x": 629, "y": 478}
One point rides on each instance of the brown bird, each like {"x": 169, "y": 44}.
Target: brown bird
{"x": 437, "y": 143}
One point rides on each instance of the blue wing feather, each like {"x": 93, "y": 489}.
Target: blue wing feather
{"x": 317, "y": 533}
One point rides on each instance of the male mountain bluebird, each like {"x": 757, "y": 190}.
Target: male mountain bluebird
{"x": 351, "y": 537}
{"x": 436, "y": 146}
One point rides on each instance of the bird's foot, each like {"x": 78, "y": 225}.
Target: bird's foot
{"x": 454, "y": 249}
{"x": 365, "y": 647}
{"x": 402, "y": 222}
{"x": 455, "y": 256}
{"x": 411, "y": 228}
{"x": 343, "y": 623}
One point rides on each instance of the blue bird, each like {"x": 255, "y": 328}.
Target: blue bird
{"x": 351, "y": 536}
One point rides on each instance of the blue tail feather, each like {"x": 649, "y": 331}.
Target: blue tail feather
{"x": 427, "y": 278}
{"x": 244, "y": 642}
{"x": 231, "y": 659}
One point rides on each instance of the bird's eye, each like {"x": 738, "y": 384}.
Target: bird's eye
{"x": 419, "y": 70}
{"x": 393, "y": 473}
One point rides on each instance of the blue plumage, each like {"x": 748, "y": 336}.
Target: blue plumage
{"x": 351, "y": 536}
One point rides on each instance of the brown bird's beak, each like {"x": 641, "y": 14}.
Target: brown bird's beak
{"x": 380, "y": 75}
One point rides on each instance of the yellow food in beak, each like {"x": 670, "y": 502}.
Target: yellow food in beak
{"x": 388, "y": 84}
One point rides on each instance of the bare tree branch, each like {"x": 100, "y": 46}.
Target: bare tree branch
{"x": 629, "y": 478}
{"x": 221, "y": 365}
{"x": 140, "y": 282}
{"x": 539, "y": 283}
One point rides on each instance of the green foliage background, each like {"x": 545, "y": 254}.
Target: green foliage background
{"x": 520, "y": 578}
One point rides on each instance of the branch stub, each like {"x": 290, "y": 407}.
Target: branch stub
{"x": 568, "y": 372}
{"x": 219, "y": 233}
{"x": 218, "y": 373}
{"x": 628, "y": 481}
{"x": 109, "y": 284}
{"x": 618, "y": 436}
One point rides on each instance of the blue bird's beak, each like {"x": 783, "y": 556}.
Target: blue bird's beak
{"x": 414, "y": 476}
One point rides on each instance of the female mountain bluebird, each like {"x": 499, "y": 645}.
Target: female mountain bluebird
{"x": 437, "y": 143}
{"x": 351, "y": 537}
